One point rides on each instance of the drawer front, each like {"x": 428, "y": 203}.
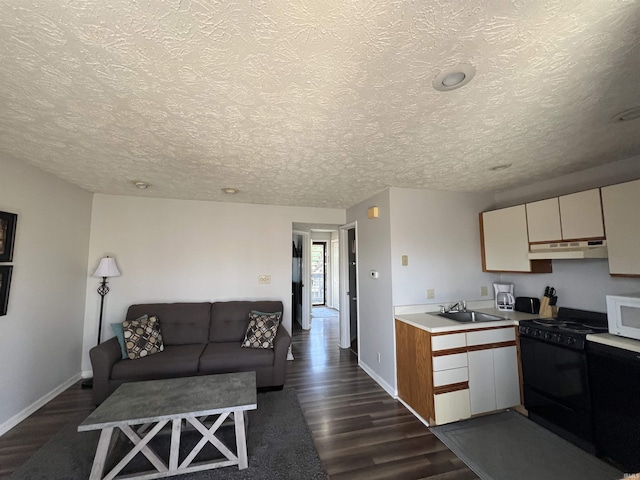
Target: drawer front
{"x": 445, "y": 342}
{"x": 448, "y": 362}
{"x": 491, "y": 336}
{"x": 452, "y": 406}
{"x": 449, "y": 377}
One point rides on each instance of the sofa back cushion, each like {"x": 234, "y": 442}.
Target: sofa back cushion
{"x": 180, "y": 323}
{"x": 229, "y": 320}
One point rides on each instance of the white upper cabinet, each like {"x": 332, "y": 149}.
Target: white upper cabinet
{"x": 581, "y": 215}
{"x": 505, "y": 242}
{"x": 621, "y": 204}
{"x": 543, "y": 221}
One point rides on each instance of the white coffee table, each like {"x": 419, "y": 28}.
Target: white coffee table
{"x": 142, "y": 409}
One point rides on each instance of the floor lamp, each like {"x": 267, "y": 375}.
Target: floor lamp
{"x": 106, "y": 268}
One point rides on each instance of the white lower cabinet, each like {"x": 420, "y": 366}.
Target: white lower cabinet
{"x": 505, "y": 366}
{"x": 493, "y": 379}
{"x": 452, "y": 406}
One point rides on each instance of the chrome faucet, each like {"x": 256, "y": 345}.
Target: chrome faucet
{"x": 457, "y": 307}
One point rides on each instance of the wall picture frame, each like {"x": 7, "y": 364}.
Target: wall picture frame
{"x": 5, "y": 283}
{"x": 8, "y": 223}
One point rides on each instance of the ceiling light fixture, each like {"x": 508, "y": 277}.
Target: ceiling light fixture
{"x": 497, "y": 168}
{"x": 627, "y": 115}
{"x": 141, "y": 185}
{"x": 454, "y": 77}
{"x": 230, "y": 191}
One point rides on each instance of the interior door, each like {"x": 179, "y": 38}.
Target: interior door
{"x": 296, "y": 279}
{"x": 353, "y": 289}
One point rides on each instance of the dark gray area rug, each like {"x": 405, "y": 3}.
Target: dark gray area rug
{"x": 508, "y": 446}
{"x": 279, "y": 445}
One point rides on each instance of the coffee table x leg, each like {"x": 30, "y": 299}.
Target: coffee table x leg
{"x": 174, "y": 467}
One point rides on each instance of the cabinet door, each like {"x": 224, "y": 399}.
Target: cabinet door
{"x": 543, "y": 221}
{"x": 482, "y": 390}
{"x": 452, "y": 406}
{"x": 621, "y": 204}
{"x": 505, "y": 366}
{"x": 505, "y": 240}
{"x": 581, "y": 215}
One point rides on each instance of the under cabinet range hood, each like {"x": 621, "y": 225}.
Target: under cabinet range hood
{"x": 568, "y": 250}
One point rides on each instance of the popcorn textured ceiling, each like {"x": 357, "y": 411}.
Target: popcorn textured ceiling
{"x": 315, "y": 103}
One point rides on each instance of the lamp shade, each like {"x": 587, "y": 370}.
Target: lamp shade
{"x": 107, "y": 268}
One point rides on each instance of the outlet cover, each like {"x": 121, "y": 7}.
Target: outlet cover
{"x": 431, "y": 293}
{"x": 405, "y": 260}
{"x": 484, "y": 291}
{"x": 264, "y": 279}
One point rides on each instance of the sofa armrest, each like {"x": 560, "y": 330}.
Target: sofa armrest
{"x": 281, "y": 343}
{"x": 103, "y": 358}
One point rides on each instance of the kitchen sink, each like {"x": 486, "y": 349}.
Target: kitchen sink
{"x": 471, "y": 316}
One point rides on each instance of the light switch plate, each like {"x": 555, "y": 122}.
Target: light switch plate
{"x": 405, "y": 260}
{"x": 264, "y": 279}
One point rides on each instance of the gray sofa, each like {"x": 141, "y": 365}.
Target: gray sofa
{"x": 199, "y": 339}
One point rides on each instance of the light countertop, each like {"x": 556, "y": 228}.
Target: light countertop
{"x": 615, "y": 341}
{"x": 431, "y": 322}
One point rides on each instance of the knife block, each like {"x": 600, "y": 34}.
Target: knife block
{"x": 546, "y": 310}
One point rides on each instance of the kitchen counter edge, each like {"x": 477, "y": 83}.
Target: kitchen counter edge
{"x": 431, "y": 322}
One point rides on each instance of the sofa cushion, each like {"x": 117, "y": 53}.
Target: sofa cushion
{"x": 261, "y": 330}
{"x": 181, "y": 323}
{"x": 229, "y": 320}
{"x": 231, "y": 357}
{"x": 174, "y": 361}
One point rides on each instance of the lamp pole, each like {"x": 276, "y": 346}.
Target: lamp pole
{"x": 106, "y": 268}
{"x": 103, "y": 289}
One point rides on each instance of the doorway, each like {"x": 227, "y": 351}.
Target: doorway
{"x": 353, "y": 290}
{"x": 318, "y": 274}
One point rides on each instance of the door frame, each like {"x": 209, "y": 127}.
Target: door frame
{"x": 345, "y": 334}
{"x": 306, "y": 278}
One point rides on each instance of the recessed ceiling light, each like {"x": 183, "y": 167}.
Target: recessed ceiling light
{"x": 141, "y": 185}
{"x": 230, "y": 191}
{"x": 454, "y": 77}
{"x": 627, "y": 115}
{"x": 497, "y": 168}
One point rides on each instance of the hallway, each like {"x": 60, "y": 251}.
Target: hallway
{"x": 359, "y": 430}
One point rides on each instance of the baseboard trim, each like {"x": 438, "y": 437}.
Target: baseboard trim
{"x": 415, "y": 414}
{"x": 20, "y": 416}
{"x": 369, "y": 371}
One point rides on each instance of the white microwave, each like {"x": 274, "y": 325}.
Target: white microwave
{"x": 623, "y": 313}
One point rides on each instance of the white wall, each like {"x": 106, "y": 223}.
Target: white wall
{"x": 181, "y": 250}
{"x": 580, "y": 284}
{"x": 439, "y": 232}
{"x": 375, "y": 315}
{"x": 41, "y": 341}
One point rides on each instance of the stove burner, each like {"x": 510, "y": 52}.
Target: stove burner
{"x": 575, "y": 328}
{"x": 549, "y": 322}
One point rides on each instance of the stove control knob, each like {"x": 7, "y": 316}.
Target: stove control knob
{"x": 571, "y": 341}
{"x": 547, "y": 335}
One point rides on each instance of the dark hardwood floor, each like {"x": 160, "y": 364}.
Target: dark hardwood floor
{"x": 359, "y": 430}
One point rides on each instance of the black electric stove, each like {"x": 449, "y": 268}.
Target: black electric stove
{"x": 569, "y": 329}
{"x": 554, "y": 371}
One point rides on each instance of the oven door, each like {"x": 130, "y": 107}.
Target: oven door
{"x": 556, "y": 388}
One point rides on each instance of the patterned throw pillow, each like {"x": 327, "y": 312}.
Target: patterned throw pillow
{"x": 142, "y": 337}
{"x": 261, "y": 330}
